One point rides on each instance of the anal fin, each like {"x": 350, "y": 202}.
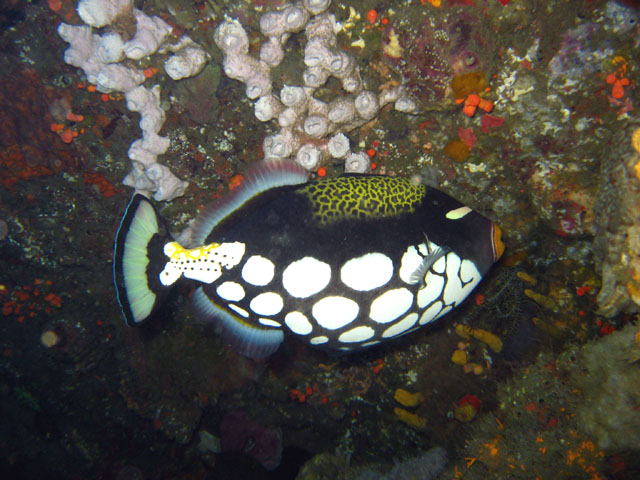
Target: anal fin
{"x": 248, "y": 340}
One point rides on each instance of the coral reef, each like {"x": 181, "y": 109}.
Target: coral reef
{"x": 305, "y": 121}
{"x": 427, "y": 466}
{"x": 240, "y": 434}
{"x": 554, "y": 163}
{"x": 98, "y": 56}
{"x": 439, "y": 48}
{"x": 618, "y": 244}
{"x": 553, "y": 410}
{"x": 27, "y": 148}
{"x": 99, "y": 13}
{"x": 609, "y": 380}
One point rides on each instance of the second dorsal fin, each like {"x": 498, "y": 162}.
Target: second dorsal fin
{"x": 259, "y": 178}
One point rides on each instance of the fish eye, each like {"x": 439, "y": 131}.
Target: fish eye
{"x": 469, "y": 60}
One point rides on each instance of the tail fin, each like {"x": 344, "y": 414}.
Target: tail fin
{"x": 138, "y": 259}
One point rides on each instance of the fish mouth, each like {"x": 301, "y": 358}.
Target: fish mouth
{"x": 496, "y": 242}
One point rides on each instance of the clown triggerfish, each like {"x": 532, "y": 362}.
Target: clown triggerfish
{"x": 343, "y": 263}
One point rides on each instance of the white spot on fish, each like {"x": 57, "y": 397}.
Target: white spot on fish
{"x": 458, "y": 213}
{"x": 440, "y": 265}
{"x": 240, "y": 311}
{"x": 335, "y": 312}
{"x": 410, "y": 261}
{"x": 230, "y": 291}
{"x": 430, "y": 313}
{"x": 357, "y": 334}
{"x": 453, "y": 288}
{"x": 390, "y": 305}
{"x": 269, "y": 323}
{"x": 455, "y": 292}
{"x": 401, "y": 327}
{"x": 367, "y": 272}
{"x": 258, "y": 270}
{"x": 268, "y": 303}
{"x": 305, "y": 277}
{"x": 298, "y": 323}
{"x": 431, "y": 291}
{"x": 319, "y": 340}
{"x": 469, "y": 272}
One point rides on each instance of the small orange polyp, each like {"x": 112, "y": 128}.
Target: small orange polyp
{"x": 469, "y": 110}
{"x": 485, "y": 105}
{"x": 473, "y": 99}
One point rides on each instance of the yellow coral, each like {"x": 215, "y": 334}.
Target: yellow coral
{"x": 465, "y": 413}
{"x": 635, "y": 143}
{"x": 492, "y": 341}
{"x": 634, "y": 291}
{"x": 542, "y": 300}
{"x": 411, "y": 419}
{"x": 468, "y": 83}
{"x": 463, "y": 330}
{"x": 408, "y": 399}
{"x": 526, "y": 278}
{"x": 459, "y": 357}
{"x": 457, "y": 150}
{"x": 473, "y": 367}
{"x": 635, "y": 140}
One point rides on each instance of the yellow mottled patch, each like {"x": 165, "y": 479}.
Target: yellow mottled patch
{"x": 354, "y": 197}
{"x": 177, "y": 252}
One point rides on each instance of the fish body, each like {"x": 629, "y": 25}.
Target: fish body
{"x": 343, "y": 263}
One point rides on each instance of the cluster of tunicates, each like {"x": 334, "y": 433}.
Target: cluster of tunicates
{"x": 100, "y": 56}
{"x": 310, "y": 130}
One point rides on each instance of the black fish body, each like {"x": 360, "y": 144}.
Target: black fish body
{"x": 343, "y": 263}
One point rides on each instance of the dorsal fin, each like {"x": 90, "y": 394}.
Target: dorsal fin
{"x": 258, "y": 178}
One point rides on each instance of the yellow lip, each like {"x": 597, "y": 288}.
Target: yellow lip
{"x": 498, "y": 246}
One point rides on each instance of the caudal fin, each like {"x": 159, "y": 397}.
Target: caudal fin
{"x": 138, "y": 259}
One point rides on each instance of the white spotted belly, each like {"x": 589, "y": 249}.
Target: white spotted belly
{"x": 363, "y": 301}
